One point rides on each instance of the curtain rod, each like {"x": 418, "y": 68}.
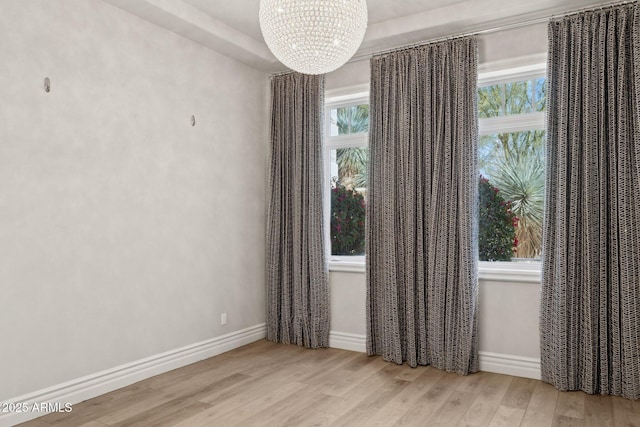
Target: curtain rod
{"x": 491, "y": 30}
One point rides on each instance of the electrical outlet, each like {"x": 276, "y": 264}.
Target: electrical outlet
{"x": 223, "y": 319}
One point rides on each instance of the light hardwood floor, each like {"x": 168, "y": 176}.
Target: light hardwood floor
{"x": 266, "y": 384}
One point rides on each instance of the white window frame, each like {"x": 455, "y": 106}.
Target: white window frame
{"x": 355, "y": 95}
{"x": 506, "y": 271}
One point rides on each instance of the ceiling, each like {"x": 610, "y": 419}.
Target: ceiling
{"x": 232, "y": 28}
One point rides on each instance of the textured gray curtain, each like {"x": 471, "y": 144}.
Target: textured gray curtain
{"x": 590, "y": 310}
{"x": 422, "y": 207}
{"x": 297, "y": 276}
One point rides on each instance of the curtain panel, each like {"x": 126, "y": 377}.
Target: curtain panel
{"x": 421, "y": 241}
{"x": 590, "y": 303}
{"x": 297, "y": 275}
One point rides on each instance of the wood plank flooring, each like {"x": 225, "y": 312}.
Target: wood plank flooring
{"x": 267, "y": 384}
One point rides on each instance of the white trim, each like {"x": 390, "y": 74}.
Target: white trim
{"x": 347, "y": 267}
{"x": 348, "y": 263}
{"x": 347, "y": 141}
{"x": 518, "y": 366}
{"x": 514, "y": 271}
{"x": 509, "y": 275}
{"x": 346, "y": 341}
{"x": 512, "y": 69}
{"x": 93, "y": 385}
{"x": 514, "y": 123}
{"x": 348, "y": 95}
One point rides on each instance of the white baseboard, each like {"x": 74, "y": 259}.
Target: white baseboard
{"x": 93, "y": 385}
{"x": 508, "y": 364}
{"x": 346, "y": 341}
{"x": 517, "y": 366}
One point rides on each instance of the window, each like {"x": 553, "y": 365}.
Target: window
{"x": 511, "y": 106}
{"x": 346, "y": 157}
{"x": 511, "y": 183}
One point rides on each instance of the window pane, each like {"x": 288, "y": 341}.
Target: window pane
{"x": 348, "y": 190}
{"x": 511, "y": 196}
{"x": 518, "y": 98}
{"x": 490, "y": 101}
{"x": 505, "y": 99}
{"x": 540, "y": 91}
{"x": 350, "y": 120}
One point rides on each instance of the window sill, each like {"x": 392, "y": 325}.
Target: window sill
{"x": 347, "y": 264}
{"x": 347, "y": 267}
{"x": 487, "y": 271}
{"x": 509, "y": 272}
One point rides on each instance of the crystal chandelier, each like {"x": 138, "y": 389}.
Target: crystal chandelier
{"x": 313, "y": 36}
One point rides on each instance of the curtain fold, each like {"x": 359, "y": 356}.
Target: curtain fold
{"x": 590, "y": 303}
{"x": 421, "y": 241}
{"x": 297, "y": 276}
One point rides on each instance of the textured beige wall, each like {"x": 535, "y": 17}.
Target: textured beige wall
{"x": 509, "y": 318}
{"x": 348, "y": 302}
{"x": 513, "y": 43}
{"x": 124, "y": 231}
